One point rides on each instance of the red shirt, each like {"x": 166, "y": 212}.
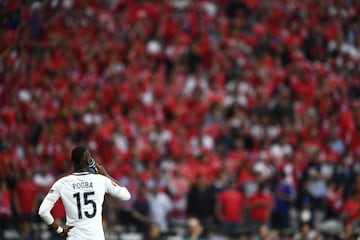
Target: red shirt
{"x": 231, "y": 202}
{"x": 352, "y": 210}
{"x": 27, "y": 194}
{"x": 259, "y": 207}
{"x": 304, "y": 89}
{"x": 5, "y": 206}
{"x": 245, "y": 175}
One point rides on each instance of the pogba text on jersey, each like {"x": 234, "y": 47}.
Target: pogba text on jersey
{"x": 82, "y": 185}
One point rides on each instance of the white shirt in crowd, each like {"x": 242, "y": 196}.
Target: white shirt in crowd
{"x": 160, "y": 207}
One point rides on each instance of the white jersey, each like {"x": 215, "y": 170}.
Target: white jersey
{"x": 82, "y": 195}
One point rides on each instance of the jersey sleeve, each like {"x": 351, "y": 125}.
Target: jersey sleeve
{"x": 48, "y": 203}
{"x": 116, "y": 190}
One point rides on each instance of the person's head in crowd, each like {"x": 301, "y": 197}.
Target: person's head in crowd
{"x": 314, "y": 156}
{"x": 264, "y": 232}
{"x": 232, "y": 184}
{"x": 201, "y": 180}
{"x": 201, "y": 158}
{"x": 281, "y": 176}
{"x": 154, "y": 232}
{"x": 261, "y": 187}
{"x": 239, "y": 144}
{"x": 155, "y": 187}
{"x": 142, "y": 192}
{"x": 195, "y": 230}
{"x": 27, "y": 174}
{"x": 305, "y": 229}
{"x": 193, "y": 224}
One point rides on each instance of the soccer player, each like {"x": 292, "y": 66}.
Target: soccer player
{"x": 82, "y": 194}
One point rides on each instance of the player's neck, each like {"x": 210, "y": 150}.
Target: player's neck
{"x": 83, "y": 169}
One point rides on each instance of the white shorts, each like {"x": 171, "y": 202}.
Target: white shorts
{"x": 86, "y": 233}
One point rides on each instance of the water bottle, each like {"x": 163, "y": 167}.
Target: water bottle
{"x": 92, "y": 166}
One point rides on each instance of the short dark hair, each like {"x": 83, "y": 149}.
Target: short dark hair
{"x": 77, "y": 153}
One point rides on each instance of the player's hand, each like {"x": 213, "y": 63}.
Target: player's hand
{"x": 101, "y": 170}
{"x": 65, "y": 232}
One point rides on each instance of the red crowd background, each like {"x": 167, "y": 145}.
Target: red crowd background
{"x": 170, "y": 95}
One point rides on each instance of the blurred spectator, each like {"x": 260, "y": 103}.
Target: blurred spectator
{"x": 247, "y": 177}
{"x": 343, "y": 175}
{"x": 195, "y": 231}
{"x": 12, "y": 174}
{"x": 284, "y": 197}
{"x": 306, "y": 232}
{"x": 43, "y": 178}
{"x": 260, "y": 205}
{"x": 179, "y": 185}
{"x": 334, "y": 201}
{"x": 229, "y": 208}
{"x": 306, "y": 215}
{"x": 154, "y": 233}
{"x": 160, "y": 208}
{"x": 5, "y": 207}
{"x": 333, "y": 213}
{"x": 265, "y": 233}
{"x": 318, "y": 173}
{"x": 336, "y": 144}
{"x": 178, "y": 188}
{"x": 141, "y": 211}
{"x": 120, "y": 140}
{"x": 132, "y": 182}
{"x": 26, "y": 202}
{"x": 221, "y": 180}
{"x": 201, "y": 201}
{"x": 26, "y": 196}
{"x": 352, "y": 209}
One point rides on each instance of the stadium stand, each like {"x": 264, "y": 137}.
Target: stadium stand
{"x": 178, "y": 99}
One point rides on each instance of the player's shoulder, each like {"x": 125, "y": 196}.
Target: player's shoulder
{"x": 59, "y": 182}
{"x": 100, "y": 177}
{"x": 103, "y": 179}
{"x": 63, "y": 179}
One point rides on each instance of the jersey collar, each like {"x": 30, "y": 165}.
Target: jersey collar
{"x": 81, "y": 173}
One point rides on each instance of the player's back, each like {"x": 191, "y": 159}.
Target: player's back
{"x": 83, "y": 195}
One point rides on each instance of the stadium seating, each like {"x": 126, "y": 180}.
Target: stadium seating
{"x": 164, "y": 92}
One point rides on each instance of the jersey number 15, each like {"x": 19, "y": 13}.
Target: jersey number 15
{"x": 86, "y": 202}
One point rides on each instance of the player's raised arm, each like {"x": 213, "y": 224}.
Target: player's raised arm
{"x": 113, "y": 187}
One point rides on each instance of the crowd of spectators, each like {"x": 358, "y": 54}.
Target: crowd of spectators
{"x": 227, "y": 117}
